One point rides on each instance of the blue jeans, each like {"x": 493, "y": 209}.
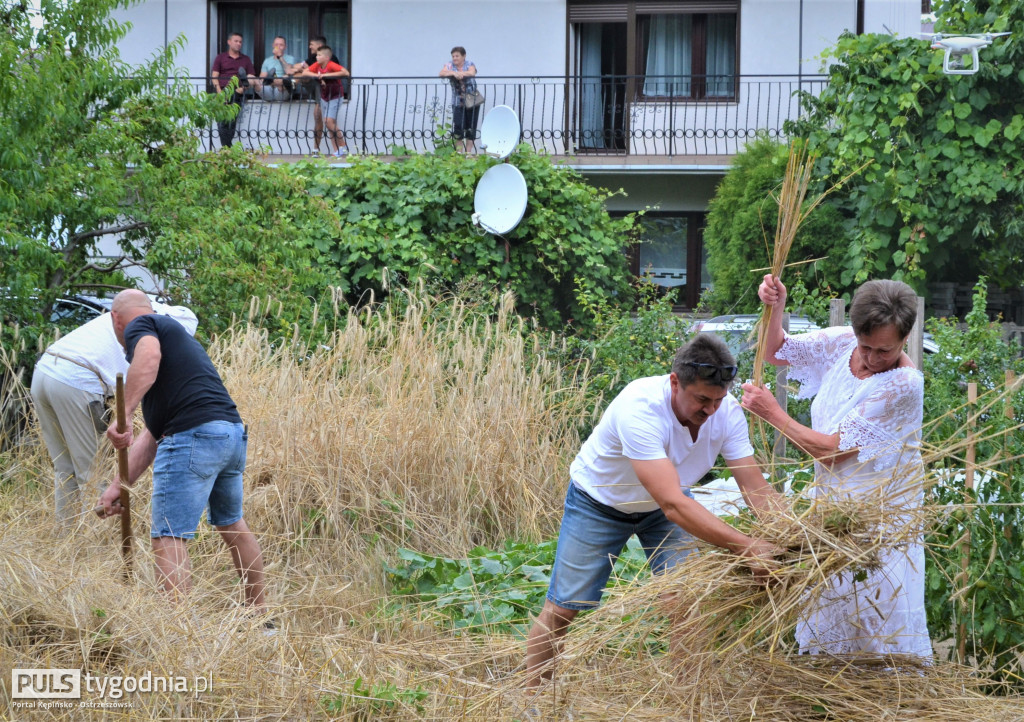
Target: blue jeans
{"x": 196, "y": 469}
{"x": 592, "y": 537}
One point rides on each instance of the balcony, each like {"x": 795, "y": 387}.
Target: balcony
{"x": 620, "y": 121}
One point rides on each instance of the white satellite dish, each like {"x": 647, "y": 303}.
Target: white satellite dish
{"x": 500, "y": 131}
{"x": 500, "y": 199}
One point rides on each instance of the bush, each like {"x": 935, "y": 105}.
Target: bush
{"x": 740, "y": 233}
{"x": 989, "y": 598}
{"x": 412, "y": 219}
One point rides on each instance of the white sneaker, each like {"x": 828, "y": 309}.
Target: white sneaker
{"x": 341, "y": 152}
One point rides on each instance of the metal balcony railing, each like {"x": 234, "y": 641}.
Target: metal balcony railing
{"x": 657, "y": 117}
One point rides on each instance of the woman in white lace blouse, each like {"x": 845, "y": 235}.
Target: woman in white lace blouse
{"x": 865, "y": 438}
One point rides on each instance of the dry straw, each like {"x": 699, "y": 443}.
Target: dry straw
{"x": 793, "y": 210}
{"x": 792, "y": 213}
{"x": 437, "y": 427}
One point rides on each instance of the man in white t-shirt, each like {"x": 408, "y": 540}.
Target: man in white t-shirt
{"x": 70, "y": 385}
{"x": 633, "y": 475}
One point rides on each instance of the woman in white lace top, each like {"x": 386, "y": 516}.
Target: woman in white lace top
{"x": 865, "y": 438}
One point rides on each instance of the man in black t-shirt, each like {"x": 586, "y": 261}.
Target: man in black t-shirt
{"x": 195, "y": 440}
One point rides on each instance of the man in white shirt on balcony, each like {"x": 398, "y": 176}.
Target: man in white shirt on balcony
{"x": 70, "y": 385}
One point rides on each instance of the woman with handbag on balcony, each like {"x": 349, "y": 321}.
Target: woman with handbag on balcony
{"x": 466, "y": 99}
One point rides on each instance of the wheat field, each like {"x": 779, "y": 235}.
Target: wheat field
{"x": 439, "y": 427}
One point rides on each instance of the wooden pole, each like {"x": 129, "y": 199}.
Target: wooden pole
{"x": 965, "y": 545}
{"x": 837, "y": 312}
{"x": 781, "y": 380}
{"x": 915, "y": 344}
{"x": 122, "y": 473}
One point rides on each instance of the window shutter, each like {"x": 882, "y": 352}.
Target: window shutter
{"x": 597, "y": 12}
{"x": 652, "y": 7}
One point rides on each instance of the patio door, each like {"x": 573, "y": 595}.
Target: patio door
{"x": 601, "y": 86}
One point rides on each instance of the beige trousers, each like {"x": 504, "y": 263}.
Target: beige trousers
{"x": 69, "y": 430}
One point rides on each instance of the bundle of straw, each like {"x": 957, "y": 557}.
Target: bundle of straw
{"x": 712, "y": 642}
{"x": 715, "y": 592}
{"x": 792, "y": 213}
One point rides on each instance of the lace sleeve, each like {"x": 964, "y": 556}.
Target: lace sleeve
{"x": 811, "y": 355}
{"x": 886, "y": 425}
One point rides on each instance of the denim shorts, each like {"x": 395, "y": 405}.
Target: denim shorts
{"x": 592, "y": 537}
{"x": 196, "y": 469}
{"x": 330, "y": 108}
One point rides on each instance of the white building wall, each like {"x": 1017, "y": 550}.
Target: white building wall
{"x": 415, "y": 37}
{"x": 390, "y": 38}
{"x": 770, "y": 37}
{"x": 184, "y": 17}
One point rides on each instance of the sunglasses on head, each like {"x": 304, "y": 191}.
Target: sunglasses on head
{"x": 710, "y": 371}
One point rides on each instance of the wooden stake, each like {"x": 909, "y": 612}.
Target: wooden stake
{"x": 122, "y": 472}
{"x": 1010, "y": 380}
{"x": 965, "y": 548}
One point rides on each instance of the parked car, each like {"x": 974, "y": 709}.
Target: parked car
{"x": 739, "y": 331}
{"x": 740, "y": 334}
{"x": 73, "y": 311}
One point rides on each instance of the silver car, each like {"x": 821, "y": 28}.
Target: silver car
{"x": 739, "y": 331}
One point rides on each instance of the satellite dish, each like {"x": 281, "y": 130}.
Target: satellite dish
{"x": 500, "y": 131}
{"x": 500, "y": 199}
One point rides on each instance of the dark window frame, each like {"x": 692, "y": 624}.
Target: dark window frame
{"x": 698, "y": 61}
{"x": 315, "y": 23}
{"x": 689, "y": 294}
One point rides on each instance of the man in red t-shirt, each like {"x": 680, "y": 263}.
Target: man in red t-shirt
{"x": 315, "y": 43}
{"x": 226, "y": 66}
{"x": 329, "y": 75}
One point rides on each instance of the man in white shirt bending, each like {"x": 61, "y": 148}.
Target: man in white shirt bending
{"x": 70, "y": 385}
{"x": 633, "y": 475}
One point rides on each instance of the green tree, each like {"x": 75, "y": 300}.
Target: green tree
{"x": 412, "y": 219}
{"x": 740, "y": 233}
{"x": 92, "y": 147}
{"x": 943, "y": 194}
{"x": 232, "y": 229}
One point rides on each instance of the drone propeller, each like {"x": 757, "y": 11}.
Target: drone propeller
{"x": 939, "y": 37}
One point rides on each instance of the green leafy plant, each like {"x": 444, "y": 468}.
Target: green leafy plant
{"x": 373, "y": 701}
{"x": 740, "y": 233}
{"x": 490, "y": 592}
{"x": 412, "y": 220}
{"x": 942, "y": 195}
{"x": 987, "y": 598}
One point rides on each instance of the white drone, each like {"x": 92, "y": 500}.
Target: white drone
{"x": 957, "y": 47}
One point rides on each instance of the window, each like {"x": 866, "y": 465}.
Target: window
{"x": 680, "y": 48}
{"x": 671, "y": 252}
{"x": 296, "y": 22}
{"x": 688, "y": 55}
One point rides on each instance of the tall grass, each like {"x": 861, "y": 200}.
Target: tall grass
{"x": 435, "y": 424}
